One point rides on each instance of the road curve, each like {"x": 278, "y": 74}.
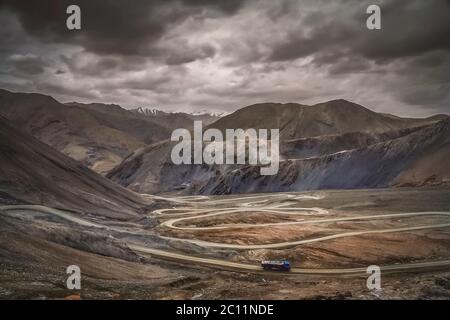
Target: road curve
{"x": 207, "y": 201}
{"x": 171, "y": 223}
{"x": 224, "y": 264}
{"x": 281, "y": 245}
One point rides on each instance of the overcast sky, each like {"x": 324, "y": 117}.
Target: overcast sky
{"x": 221, "y": 55}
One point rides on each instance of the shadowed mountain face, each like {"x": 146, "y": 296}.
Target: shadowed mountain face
{"x": 337, "y": 144}
{"x": 319, "y": 149}
{"x": 321, "y": 145}
{"x": 300, "y": 121}
{"x": 417, "y": 159}
{"x": 177, "y": 119}
{"x": 98, "y": 139}
{"x": 98, "y": 135}
{"x": 33, "y": 172}
{"x": 136, "y": 127}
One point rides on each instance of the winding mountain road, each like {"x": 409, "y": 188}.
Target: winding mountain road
{"x": 242, "y": 204}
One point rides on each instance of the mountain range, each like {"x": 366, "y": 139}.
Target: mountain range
{"x": 98, "y": 135}
{"x": 337, "y": 144}
{"x": 48, "y": 148}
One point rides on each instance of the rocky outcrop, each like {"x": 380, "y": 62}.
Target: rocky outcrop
{"x": 383, "y": 160}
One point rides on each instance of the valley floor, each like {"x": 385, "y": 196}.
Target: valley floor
{"x": 203, "y": 247}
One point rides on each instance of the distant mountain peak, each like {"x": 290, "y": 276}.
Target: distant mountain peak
{"x": 157, "y": 112}
{"x": 148, "y": 111}
{"x": 35, "y": 97}
{"x": 339, "y": 101}
{"x": 343, "y": 104}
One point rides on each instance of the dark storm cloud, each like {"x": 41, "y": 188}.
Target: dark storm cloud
{"x": 61, "y": 89}
{"x": 97, "y": 67}
{"x": 323, "y": 37}
{"x": 413, "y": 46}
{"x": 27, "y": 64}
{"x": 149, "y": 83}
{"x": 426, "y": 80}
{"x": 432, "y": 59}
{"x": 426, "y": 95}
{"x": 180, "y": 56}
{"x": 111, "y": 26}
{"x": 228, "y": 7}
{"x": 108, "y": 66}
{"x": 348, "y": 65}
{"x": 409, "y": 28}
{"x": 224, "y": 54}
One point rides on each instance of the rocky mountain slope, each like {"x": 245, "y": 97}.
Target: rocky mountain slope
{"x": 321, "y": 145}
{"x": 301, "y": 121}
{"x": 175, "y": 120}
{"x": 420, "y": 158}
{"x": 98, "y": 139}
{"x": 314, "y": 155}
{"x": 33, "y": 172}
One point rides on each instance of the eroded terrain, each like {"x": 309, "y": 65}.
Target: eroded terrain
{"x": 210, "y": 247}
